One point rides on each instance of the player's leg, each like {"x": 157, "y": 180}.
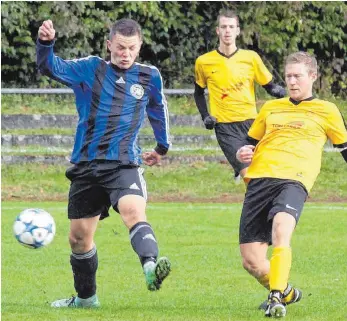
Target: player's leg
{"x": 255, "y": 262}
{"x": 280, "y": 263}
{"x": 130, "y": 202}
{"x": 287, "y": 207}
{"x": 86, "y": 203}
{"x": 255, "y": 231}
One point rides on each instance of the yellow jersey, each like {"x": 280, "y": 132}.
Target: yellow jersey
{"x": 230, "y": 83}
{"x": 291, "y": 138}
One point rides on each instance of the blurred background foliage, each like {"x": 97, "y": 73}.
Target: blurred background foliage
{"x": 175, "y": 34}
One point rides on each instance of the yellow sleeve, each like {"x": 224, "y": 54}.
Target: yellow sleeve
{"x": 336, "y": 128}
{"x": 258, "y": 128}
{"x": 199, "y": 74}
{"x": 262, "y": 74}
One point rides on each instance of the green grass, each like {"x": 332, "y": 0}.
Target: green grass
{"x": 197, "y": 181}
{"x": 65, "y": 104}
{"x": 207, "y": 149}
{"x": 179, "y": 130}
{"x": 207, "y": 281}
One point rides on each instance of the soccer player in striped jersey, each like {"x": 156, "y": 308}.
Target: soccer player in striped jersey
{"x": 284, "y": 154}
{"x": 229, "y": 74}
{"x": 112, "y": 98}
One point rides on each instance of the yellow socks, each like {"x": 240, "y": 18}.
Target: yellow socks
{"x": 264, "y": 281}
{"x": 280, "y": 265}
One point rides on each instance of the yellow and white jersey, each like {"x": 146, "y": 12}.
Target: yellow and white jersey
{"x": 291, "y": 138}
{"x": 230, "y": 83}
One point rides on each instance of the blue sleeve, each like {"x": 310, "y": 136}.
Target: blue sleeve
{"x": 158, "y": 114}
{"x": 67, "y": 72}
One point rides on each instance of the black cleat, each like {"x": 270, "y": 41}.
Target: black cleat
{"x": 275, "y": 308}
{"x": 296, "y": 298}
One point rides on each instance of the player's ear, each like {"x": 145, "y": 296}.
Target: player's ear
{"x": 108, "y": 44}
{"x": 314, "y": 76}
{"x": 238, "y": 31}
{"x": 217, "y": 31}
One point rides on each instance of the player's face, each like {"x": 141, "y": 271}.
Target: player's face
{"x": 227, "y": 30}
{"x": 299, "y": 81}
{"x": 124, "y": 50}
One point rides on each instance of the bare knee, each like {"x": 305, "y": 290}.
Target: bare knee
{"x": 252, "y": 266}
{"x": 254, "y": 259}
{"x": 132, "y": 209}
{"x": 80, "y": 243}
{"x": 81, "y": 237}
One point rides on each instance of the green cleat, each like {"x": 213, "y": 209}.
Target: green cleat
{"x": 156, "y": 272}
{"x": 76, "y": 302}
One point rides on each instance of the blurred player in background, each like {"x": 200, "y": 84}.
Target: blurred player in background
{"x": 287, "y": 137}
{"x": 229, "y": 74}
{"x": 111, "y": 99}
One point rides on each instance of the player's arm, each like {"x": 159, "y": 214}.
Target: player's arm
{"x": 68, "y": 72}
{"x": 158, "y": 116}
{"x": 274, "y": 90}
{"x": 337, "y": 131}
{"x": 200, "y": 101}
{"x": 264, "y": 78}
{"x": 199, "y": 95}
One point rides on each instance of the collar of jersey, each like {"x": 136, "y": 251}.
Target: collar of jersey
{"x": 222, "y": 54}
{"x": 116, "y": 68}
{"x": 297, "y": 102}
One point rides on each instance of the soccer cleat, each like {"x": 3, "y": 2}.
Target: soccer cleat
{"x": 296, "y": 298}
{"x": 76, "y": 302}
{"x": 156, "y": 272}
{"x": 275, "y": 307}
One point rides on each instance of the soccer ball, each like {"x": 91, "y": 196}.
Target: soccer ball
{"x": 34, "y": 228}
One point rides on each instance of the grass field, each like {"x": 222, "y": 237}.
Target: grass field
{"x": 199, "y": 181}
{"x": 207, "y": 280}
{"x": 65, "y": 104}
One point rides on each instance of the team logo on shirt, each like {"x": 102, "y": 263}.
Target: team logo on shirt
{"x": 293, "y": 125}
{"x": 137, "y": 91}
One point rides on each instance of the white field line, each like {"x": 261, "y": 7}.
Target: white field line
{"x": 189, "y": 207}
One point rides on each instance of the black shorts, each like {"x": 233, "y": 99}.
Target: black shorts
{"x": 231, "y": 137}
{"x": 265, "y": 197}
{"x": 98, "y": 184}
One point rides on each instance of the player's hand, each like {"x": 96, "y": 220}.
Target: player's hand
{"x": 245, "y": 154}
{"x": 210, "y": 122}
{"x": 46, "y": 31}
{"x": 151, "y": 158}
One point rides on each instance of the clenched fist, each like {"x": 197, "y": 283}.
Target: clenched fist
{"x": 151, "y": 158}
{"x": 245, "y": 154}
{"x": 46, "y": 31}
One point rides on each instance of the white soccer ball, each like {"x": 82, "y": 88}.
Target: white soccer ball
{"x": 34, "y": 228}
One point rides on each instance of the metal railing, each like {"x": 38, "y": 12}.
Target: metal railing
{"x": 70, "y": 91}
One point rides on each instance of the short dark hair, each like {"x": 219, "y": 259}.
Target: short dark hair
{"x": 126, "y": 27}
{"x": 228, "y": 14}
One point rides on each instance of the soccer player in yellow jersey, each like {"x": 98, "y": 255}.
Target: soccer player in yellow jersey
{"x": 284, "y": 152}
{"x": 229, "y": 74}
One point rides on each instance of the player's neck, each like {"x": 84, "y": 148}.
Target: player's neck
{"x": 227, "y": 50}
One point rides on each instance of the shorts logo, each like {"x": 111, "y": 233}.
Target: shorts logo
{"x": 134, "y": 186}
{"x": 292, "y": 208}
{"x": 137, "y": 91}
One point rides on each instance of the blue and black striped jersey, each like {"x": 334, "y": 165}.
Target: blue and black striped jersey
{"x": 111, "y": 104}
